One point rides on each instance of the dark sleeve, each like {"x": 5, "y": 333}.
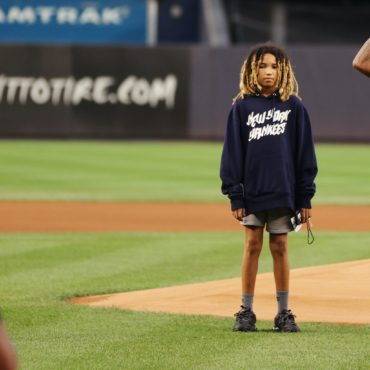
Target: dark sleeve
{"x": 306, "y": 164}
{"x": 232, "y": 160}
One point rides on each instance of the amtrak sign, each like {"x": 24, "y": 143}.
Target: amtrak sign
{"x": 64, "y": 15}
{"x": 73, "y": 21}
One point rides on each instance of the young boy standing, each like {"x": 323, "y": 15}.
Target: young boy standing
{"x": 268, "y": 168}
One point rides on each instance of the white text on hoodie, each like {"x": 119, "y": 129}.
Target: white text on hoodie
{"x": 278, "y": 119}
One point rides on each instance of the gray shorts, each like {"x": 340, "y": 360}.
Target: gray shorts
{"x": 277, "y": 220}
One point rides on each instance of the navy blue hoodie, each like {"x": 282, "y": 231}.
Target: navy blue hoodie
{"x": 268, "y": 159}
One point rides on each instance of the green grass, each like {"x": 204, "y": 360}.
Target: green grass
{"x": 344, "y": 174}
{"x": 39, "y": 270}
{"x": 155, "y": 171}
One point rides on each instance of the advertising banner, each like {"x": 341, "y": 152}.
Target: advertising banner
{"x": 93, "y": 92}
{"x": 73, "y": 21}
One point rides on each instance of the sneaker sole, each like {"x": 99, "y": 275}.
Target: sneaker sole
{"x": 276, "y": 329}
{"x": 245, "y": 330}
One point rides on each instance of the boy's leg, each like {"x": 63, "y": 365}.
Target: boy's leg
{"x": 252, "y": 250}
{"x": 279, "y": 251}
{"x": 246, "y": 318}
{"x": 284, "y": 320}
{"x": 278, "y": 225}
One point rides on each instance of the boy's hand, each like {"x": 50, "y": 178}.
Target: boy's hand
{"x": 305, "y": 214}
{"x": 239, "y": 213}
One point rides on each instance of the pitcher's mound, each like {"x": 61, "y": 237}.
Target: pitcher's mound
{"x": 338, "y": 293}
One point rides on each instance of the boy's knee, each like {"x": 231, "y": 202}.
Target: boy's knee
{"x": 278, "y": 247}
{"x": 254, "y": 246}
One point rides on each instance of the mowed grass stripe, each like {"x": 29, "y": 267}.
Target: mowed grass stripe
{"x": 86, "y": 338}
{"x": 134, "y": 259}
{"x": 108, "y": 171}
{"x": 155, "y": 171}
{"x": 68, "y": 264}
{"x": 98, "y": 263}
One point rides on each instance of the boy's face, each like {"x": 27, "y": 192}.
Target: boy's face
{"x": 267, "y": 73}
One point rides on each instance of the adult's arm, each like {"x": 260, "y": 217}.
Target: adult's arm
{"x": 362, "y": 59}
{"x": 8, "y": 360}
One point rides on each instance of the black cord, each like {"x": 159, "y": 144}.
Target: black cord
{"x": 309, "y": 233}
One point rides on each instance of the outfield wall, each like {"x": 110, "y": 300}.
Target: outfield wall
{"x": 336, "y": 96}
{"x": 167, "y": 92}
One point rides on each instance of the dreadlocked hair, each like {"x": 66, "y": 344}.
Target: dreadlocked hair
{"x": 286, "y": 82}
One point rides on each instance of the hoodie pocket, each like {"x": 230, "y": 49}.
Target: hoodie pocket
{"x": 266, "y": 175}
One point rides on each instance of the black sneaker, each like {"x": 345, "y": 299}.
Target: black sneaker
{"x": 245, "y": 320}
{"x": 285, "y": 322}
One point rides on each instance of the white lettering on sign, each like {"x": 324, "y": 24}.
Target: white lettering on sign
{"x": 99, "y": 90}
{"x": 18, "y": 15}
{"x": 89, "y": 15}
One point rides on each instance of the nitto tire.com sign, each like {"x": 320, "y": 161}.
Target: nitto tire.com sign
{"x": 99, "y": 90}
{"x": 73, "y": 21}
{"x": 93, "y": 92}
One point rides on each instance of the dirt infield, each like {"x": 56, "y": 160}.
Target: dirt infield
{"x": 80, "y": 216}
{"x": 318, "y": 294}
